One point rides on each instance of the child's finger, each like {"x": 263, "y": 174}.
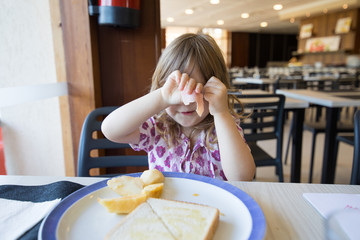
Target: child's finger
{"x": 199, "y": 88}
{"x": 191, "y": 84}
{"x": 176, "y": 75}
{"x": 183, "y": 81}
{"x": 213, "y": 82}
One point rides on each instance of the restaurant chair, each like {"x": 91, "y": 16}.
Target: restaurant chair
{"x": 353, "y": 140}
{"x": 264, "y": 120}
{"x": 95, "y": 151}
{"x": 355, "y": 173}
{"x": 320, "y": 127}
{"x": 317, "y": 127}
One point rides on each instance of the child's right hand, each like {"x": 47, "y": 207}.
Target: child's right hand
{"x": 177, "y": 82}
{"x": 169, "y": 91}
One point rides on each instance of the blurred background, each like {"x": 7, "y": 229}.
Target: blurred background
{"x": 61, "y": 59}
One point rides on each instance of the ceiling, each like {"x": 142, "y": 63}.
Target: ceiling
{"x": 206, "y": 15}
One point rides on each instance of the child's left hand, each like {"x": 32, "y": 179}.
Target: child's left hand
{"x": 215, "y": 92}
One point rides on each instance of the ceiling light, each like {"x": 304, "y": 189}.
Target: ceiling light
{"x": 214, "y": 1}
{"x": 263, "y": 24}
{"x": 218, "y": 31}
{"x": 220, "y": 22}
{"x": 277, "y": 7}
{"x": 170, "y": 19}
{"x": 245, "y": 15}
{"x": 292, "y": 20}
{"x": 345, "y": 6}
{"x": 189, "y": 11}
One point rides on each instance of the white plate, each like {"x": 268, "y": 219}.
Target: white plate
{"x": 80, "y": 216}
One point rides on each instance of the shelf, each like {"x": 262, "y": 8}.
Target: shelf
{"x": 320, "y": 53}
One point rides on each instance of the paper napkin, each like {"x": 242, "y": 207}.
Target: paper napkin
{"x": 17, "y": 217}
{"x": 36, "y": 194}
{"x": 327, "y": 203}
{"x": 341, "y": 211}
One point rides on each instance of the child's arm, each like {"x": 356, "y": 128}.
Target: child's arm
{"x": 122, "y": 125}
{"x": 236, "y": 159}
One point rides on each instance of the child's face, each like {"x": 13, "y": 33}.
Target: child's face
{"x": 186, "y": 115}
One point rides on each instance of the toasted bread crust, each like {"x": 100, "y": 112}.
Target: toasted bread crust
{"x": 213, "y": 226}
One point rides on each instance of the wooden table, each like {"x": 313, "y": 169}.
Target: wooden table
{"x": 288, "y": 215}
{"x": 298, "y": 108}
{"x": 333, "y": 101}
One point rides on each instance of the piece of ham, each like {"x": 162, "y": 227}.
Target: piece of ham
{"x": 194, "y": 97}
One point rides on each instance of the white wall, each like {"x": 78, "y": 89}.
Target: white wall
{"x": 32, "y": 130}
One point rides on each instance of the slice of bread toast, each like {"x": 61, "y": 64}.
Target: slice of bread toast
{"x": 140, "y": 224}
{"x": 168, "y": 219}
{"x": 186, "y": 221}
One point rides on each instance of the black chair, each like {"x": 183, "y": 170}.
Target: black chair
{"x": 107, "y": 155}
{"x": 265, "y": 120}
{"x": 348, "y": 139}
{"x": 317, "y": 127}
{"x": 353, "y": 140}
{"x": 320, "y": 127}
{"x": 355, "y": 173}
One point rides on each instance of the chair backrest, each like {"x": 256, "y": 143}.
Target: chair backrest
{"x": 93, "y": 145}
{"x": 355, "y": 175}
{"x": 265, "y": 117}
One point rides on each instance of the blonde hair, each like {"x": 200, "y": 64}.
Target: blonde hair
{"x": 199, "y": 49}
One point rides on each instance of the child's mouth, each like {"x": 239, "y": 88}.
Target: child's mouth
{"x": 188, "y": 113}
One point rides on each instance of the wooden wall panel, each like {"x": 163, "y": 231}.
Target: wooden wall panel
{"x": 79, "y": 70}
{"x": 128, "y": 57}
{"x": 356, "y": 26}
{"x": 163, "y": 38}
{"x": 57, "y": 32}
{"x": 106, "y": 65}
{"x": 324, "y": 25}
{"x": 239, "y": 49}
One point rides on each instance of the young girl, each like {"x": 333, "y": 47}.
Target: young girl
{"x": 175, "y": 137}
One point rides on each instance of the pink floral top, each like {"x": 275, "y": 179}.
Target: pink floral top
{"x": 201, "y": 160}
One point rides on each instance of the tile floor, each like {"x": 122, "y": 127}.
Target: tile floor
{"x": 344, "y": 162}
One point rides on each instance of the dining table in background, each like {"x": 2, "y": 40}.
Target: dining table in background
{"x": 264, "y": 83}
{"x": 288, "y": 215}
{"x": 270, "y": 83}
{"x": 333, "y": 101}
{"x": 297, "y": 107}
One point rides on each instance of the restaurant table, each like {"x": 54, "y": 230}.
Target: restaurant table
{"x": 265, "y": 82}
{"x": 333, "y": 101}
{"x": 288, "y": 215}
{"x": 320, "y": 78}
{"x": 322, "y": 81}
{"x": 298, "y": 108}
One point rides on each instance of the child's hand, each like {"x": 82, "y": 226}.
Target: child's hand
{"x": 215, "y": 92}
{"x": 169, "y": 91}
{"x": 177, "y": 82}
